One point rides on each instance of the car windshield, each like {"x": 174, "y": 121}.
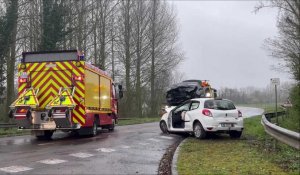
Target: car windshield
{"x": 219, "y": 105}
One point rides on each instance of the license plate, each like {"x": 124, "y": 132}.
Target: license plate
{"x": 226, "y": 124}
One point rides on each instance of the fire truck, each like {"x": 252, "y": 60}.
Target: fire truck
{"x": 59, "y": 90}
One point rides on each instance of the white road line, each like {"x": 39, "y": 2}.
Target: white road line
{"x": 42, "y": 144}
{"x": 52, "y": 161}
{"x": 81, "y": 155}
{"x": 105, "y": 150}
{"x": 154, "y": 140}
{"x": 142, "y": 143}
{"x": 166, "y": 137}
{"x": 125, "y": 146}
{"x": 15, "y": 169}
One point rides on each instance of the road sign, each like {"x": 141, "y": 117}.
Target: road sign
{"x": 275, "y": 81}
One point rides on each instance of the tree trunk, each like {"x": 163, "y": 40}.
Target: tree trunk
{"x": 152, "y": 73}
{"x": 11, "y": 60}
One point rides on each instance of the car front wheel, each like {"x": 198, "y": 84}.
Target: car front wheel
{"x": 199, "y": 132}
{"x": 163, "y": 127}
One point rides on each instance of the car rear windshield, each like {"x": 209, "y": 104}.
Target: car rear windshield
{"x": 219, "y": 105}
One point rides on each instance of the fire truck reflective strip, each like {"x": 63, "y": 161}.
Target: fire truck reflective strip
{"x": 49, "y": 79}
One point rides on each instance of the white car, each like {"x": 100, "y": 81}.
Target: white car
{"x": 202, "y": 115}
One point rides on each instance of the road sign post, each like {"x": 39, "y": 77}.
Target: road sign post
{"x": 275, "y": 82}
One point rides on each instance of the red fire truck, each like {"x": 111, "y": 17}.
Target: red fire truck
{"x": 60, "y": 91}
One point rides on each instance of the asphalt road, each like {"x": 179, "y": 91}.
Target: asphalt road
{"x": 133, "y": 149}
{"x": 250, "y": 112}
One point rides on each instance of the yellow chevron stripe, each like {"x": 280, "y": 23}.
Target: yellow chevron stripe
{"x": 67, "y": 79}
{"x": 62, "y": 66}
{"x": 51, "y": 90}
{"x": 46, "y": 86}
{"x": 79, "y": 116}
{"x": 41, "y": 66}
{"x": 33, "y": 66}
{"x": 37, "y": 76}
{"x": 74, "y": 120}
{"x": 80, "y": 85}
{"x": 22, "y": 87}
{"x": 40, "y": 80}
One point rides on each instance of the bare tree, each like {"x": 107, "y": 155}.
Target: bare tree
{"x": 286, "y": 45}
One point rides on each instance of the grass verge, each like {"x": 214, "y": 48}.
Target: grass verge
{"x": 132, "y": 121}
{"x": 4, "y": 132}
{"x": 254, "y": 153}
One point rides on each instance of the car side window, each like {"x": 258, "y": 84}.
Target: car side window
{"x": 195, "y": 105}
{"x": 184, "y": 107}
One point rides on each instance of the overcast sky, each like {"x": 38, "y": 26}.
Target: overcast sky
{"x": 223, "y": 42}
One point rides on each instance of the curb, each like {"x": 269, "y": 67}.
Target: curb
{"x": 175, "y": 158}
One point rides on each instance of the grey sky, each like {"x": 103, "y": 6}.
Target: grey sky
{"x": 223, "y": 42}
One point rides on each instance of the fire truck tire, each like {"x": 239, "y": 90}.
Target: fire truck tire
{"x": 47, "y": 135}
{"x": 112, "y": 126}
{"x": 11, "y": 114}
{"x": 94, "y": 128}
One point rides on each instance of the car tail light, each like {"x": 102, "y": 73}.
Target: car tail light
{"x": 206, "y": 112}
{"x": 240, "y": 113}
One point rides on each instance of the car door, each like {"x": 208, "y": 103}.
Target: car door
{"x": 176, "y": 113}
{"x": 190, "y": 115}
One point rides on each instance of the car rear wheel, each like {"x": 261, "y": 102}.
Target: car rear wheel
{"x": 199, "y": 132}
{"x": 163, "y": 127}
{"x": 235, "y": 134}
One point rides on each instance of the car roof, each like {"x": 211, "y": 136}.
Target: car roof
{"x": 204, "y": 99}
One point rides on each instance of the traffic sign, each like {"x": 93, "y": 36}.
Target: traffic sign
{"x": 275, "y": 81}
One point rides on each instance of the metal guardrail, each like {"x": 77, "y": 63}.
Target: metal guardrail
{"x": 284, "y": 135}
{"x": 7, "y": 125}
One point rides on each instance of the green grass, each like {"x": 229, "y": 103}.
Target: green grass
{"x": 291, "y": 121}
{"x": 254, "y": 153}
{"x": 223, "y": 157}
{"x": 132, "y": 121}
{"x": 4, "y": 132}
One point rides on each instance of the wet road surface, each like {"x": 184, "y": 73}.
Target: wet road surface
{"x": 250, "y": 112}
{"x": 133, "y": 149}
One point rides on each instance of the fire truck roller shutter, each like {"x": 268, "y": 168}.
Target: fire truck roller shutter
{"x": 92, "y": 82}
{"x": 105, "y": 94}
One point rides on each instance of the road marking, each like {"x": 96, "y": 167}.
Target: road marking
{"x": 15, "y": 169}
{"x": 166, "y": 137}
{"x": 81, "y": 155}
{"x": 105, "y": 150}
{"x": 154, "y": 140}
{"x": 142, "y": 143}
{"x": 52, "y": 161}
{"x": 125, "y": 146}
{"x": 42, "y": 144}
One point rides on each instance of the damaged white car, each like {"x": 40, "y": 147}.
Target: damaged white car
{"x": 203, "y": 115}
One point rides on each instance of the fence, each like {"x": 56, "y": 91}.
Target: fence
{"x": 286, "y": 136}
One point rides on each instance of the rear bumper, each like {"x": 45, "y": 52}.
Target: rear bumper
{"x": 223, "y": 129}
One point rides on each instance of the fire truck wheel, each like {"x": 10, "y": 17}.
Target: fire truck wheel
{"x": 112, "y": 126}
{"x": 94, "y": 128}
{"x": 48, "y": 134}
